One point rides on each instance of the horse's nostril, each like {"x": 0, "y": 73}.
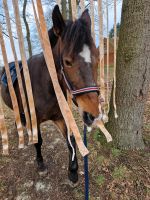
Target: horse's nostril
{"x": 88, "y": 118}
{"x": 91, "y": 117}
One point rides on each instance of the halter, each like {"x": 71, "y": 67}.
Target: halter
{"x": 78, "y": 91}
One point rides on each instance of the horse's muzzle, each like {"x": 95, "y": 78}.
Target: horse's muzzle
{"x": 88, "y": 118}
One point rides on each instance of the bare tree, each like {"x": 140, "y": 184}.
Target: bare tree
{"x": 27, "y": 28}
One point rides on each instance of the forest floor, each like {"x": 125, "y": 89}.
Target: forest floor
{"x": 114, "y": 174}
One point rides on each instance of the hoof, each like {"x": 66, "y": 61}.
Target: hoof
{"x": 73, "y": 176}
{"x": 43, "y": 173}
{"x": 42, "y": 169}
{"x": 69, "y": 183}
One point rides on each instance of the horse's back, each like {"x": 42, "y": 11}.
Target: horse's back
{"x": 42, "y": 88}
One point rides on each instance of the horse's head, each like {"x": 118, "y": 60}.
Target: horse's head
{"x": 78, "y": 58}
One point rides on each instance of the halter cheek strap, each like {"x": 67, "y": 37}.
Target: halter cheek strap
{"x": 78, "y": 91}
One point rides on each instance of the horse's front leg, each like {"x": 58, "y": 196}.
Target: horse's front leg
{"x": 73, "y": 164}
{"x": 39, "y": 158}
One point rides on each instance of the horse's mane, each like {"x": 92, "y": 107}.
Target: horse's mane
{"x": 76, "y": 34}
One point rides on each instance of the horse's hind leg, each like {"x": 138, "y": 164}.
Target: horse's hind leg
{"x": 39, "y": 157}
{"x": 73, "y": 165}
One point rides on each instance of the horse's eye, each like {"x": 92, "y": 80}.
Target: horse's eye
{"x": 68, "y": 63}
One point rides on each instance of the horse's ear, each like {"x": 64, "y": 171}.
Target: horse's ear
{"x": 58, "y": 21}
{"x": 86, "y": 17}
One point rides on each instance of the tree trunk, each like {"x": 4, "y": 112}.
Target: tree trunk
{"x": 70, "y": 10}
{"x": 27, "y": 28}
{"x": 64, "y": 9}
{"x": 133, "y": 75}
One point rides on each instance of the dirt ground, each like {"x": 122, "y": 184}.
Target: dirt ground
{"x": 114, "y": 174}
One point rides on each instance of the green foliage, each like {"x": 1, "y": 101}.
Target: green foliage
{"x": 2, "y": 186}
{"x": 111, "y": 33}
{"x": 115, "y": 152}
{"x": 100, "y": 160}
{"x": 78, "y": 193}
{"x": 100, "y": 180}
{"x": 98, "y": 137}
{"x": 119, "y": 173}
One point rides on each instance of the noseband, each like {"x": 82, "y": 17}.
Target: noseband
{"x": 78, "y": 91}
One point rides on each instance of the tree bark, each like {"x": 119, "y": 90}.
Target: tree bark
{"x": 70, "y": 10}
{"x": 27, "y": 28}
{"x": 133, "y": 75}
{"x": 64, "y": 9}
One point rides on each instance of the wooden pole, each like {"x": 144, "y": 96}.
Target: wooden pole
{"x": 82, "y": 5}
{"x": 24, "y": 103}
{"x": 26, "y": 72}
{"x": 74, "y": 9}
{"x": 12, "y": 92}
{"x": 115, "y": 50}
{"x": 3, "y": 130}
{"x": 59, "y": 3}
{"x": 92, "y": 18}
{"x": 101, "y": 52}
{"x": 107, "y": 94}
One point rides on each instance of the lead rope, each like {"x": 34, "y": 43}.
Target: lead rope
{"x": 115, "y": 49}
{"x": 12, "y": 92}
{"x": 3, "y": 130}
{"x": 67, "y": 114}
{"x": 26, "y": 72}
{"x": 24, "y": 103}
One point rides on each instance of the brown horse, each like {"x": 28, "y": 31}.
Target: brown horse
{"x": 76, "y": 60}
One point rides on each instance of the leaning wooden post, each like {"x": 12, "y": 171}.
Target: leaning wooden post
{"x": 82, "y": 5}
{"x": 74, "y": 9}
{"x": 101, "y": 53}
{"x": 92, "y": 18}
{"x": 3, "y": 130}
{"x": 115, "y": 50}
{"x": 24, "y": 103}
{"x": 12, "y": 92}
{"x": 67, "y": 114}
{"x": 107, "y": 93}
{"x": 26, "y": 72}
{"x": 58, "y": 3}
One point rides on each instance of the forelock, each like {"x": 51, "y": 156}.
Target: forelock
{"x": 76, "y": 35}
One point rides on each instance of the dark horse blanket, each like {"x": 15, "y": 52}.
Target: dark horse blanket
{"x": 13, "y": 73}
